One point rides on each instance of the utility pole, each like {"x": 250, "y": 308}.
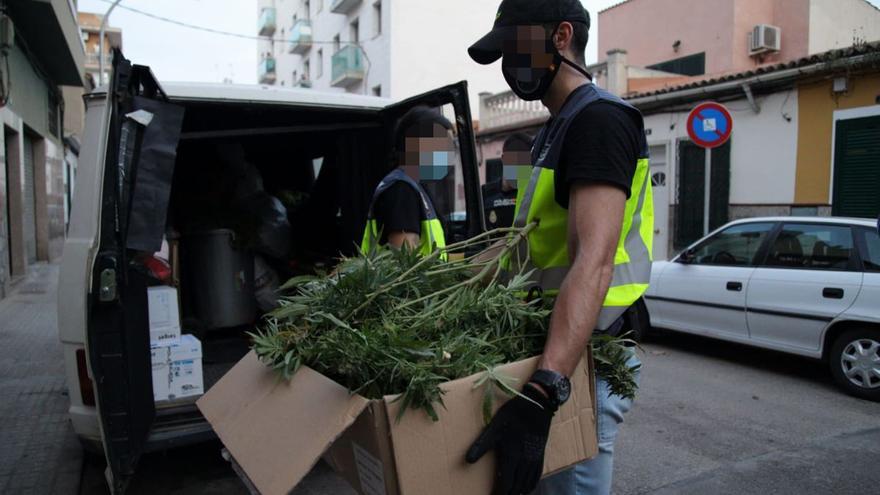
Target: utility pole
{"x": 101, "y": 42}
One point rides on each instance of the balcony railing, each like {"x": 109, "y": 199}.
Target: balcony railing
{"x": 266, "y": 71}
{"x": 266, "y": 24}
{"x": 348, "y": 66}
{"x": 300, "y": 37}
{"x": 344, "y": 6}
{"x": 507, "y": 109}
{"x": 93, "y": 60}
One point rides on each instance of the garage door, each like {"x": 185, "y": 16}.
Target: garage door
{"x": 29, "y": 205}
{"x": 857, "y": 168}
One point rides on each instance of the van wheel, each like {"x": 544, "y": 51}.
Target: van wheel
{"x": 855, "y": 363}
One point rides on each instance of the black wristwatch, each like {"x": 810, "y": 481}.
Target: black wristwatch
{"x": 557, "y": 386}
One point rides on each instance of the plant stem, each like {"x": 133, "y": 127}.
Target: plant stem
{"x": 508, "y": 247}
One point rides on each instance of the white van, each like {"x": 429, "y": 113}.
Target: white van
{"x": 141, "y": 140}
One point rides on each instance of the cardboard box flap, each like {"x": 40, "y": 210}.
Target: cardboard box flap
{"x": 430, "y": 455}
{"x": 277, "y": 430}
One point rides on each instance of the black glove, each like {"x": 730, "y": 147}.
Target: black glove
{"x": 518, "y": 434}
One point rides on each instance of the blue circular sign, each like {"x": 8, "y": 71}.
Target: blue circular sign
{"x": 709, "y": 125}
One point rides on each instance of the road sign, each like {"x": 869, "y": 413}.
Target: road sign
{"x": 709, "y": 125}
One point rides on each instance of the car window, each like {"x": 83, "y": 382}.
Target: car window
{"x": 734, "y": 246}
{"x": 872, "y": 257}
{"x": 812, "y": 246}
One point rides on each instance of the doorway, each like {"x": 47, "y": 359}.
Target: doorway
{"x": 690, "y": 214}
{"x": 29, "y": 200}
{"x": 659, "y": 172}
{"x": 8, "y": 147}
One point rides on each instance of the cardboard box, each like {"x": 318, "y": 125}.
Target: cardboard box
{"x": 177, "y": 369}
{"x": 161, "y": 379}
{"x": 276, "y": 431}
{"x": 164, "y": 316}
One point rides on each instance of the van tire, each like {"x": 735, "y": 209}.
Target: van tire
{"x": 851, "y": 352}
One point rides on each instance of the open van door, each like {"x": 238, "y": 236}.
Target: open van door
{"x": 142, "y": 131}
{"x": 454, "y": 97}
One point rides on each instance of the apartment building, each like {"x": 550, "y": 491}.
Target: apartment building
{"x": 45, "y": 54}
{"x": 90, "y": 27}
{"x": 389, "y": 48}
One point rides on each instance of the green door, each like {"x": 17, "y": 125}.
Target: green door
{"x": 692, "y": 191}
{"x": 857, "y": 168}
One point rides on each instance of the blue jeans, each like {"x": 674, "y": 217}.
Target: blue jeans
{"x": 593, "y": 477}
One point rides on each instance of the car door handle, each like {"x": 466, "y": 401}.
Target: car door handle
{"x": 735, "y": 286}
{"x": 832, "y": 293}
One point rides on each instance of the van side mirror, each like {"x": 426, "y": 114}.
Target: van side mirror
{"x": 687, "y": 257}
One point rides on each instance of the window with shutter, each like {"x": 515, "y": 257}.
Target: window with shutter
{"x": 857, "y": 168}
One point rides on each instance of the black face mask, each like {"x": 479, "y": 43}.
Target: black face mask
{"x": 532, "y": 83}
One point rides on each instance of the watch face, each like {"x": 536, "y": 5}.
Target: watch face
{"x": 563, "y": 390}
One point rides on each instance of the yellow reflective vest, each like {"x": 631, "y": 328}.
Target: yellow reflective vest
{"x": 431, "y": 237}
{"x": 548, "y": 243}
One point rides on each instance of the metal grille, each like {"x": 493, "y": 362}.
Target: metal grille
{"x": 29, "y": 202}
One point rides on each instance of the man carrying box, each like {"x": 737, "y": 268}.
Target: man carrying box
{"x": 590, "y": 192}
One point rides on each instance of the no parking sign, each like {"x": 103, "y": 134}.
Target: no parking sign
{"x": 709, "y": 125}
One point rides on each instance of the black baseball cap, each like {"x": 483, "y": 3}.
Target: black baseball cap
{"x": 513, "y": 13}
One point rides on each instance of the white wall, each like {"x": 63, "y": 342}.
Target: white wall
{"x": 835, "y": 23}
{"x": 430, "y": 39}
{"x": 763, "y": 148}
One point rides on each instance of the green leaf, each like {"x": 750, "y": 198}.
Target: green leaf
{"x": 297, "y": 281}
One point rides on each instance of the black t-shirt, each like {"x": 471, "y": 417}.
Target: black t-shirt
{"x": 603, "y": 144}
{"x": 398, "y": 209}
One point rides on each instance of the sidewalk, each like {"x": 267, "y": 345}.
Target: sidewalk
{"x": 39, "y": 453}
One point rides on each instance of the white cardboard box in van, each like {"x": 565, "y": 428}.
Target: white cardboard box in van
{"x": 177, "y": 369}
{"x": 164, "y": 316}
{"x": 277, "y": 430}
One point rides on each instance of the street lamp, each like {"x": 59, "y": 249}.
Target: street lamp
{"x": 101, "y": 42}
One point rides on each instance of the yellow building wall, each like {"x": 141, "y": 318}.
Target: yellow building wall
{"x": 816, "y": 106}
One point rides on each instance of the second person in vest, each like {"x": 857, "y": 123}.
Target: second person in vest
{"x": 401, "y": 212}
{"x": 590, "y": 193}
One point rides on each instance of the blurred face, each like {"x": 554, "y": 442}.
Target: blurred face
{"x": 528, "y": 57}
{"x": 429, "y": 152}
{"x": 517, "y": 165}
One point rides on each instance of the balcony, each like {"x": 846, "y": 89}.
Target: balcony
{"x": 505, "y": 110}
{"x": 344, "y": 6}
{"x": 266, "y": 24}
{"x": 49, "y": 29}
{"x": 300, "y": 37}
{"x": 93, "y": 61}
{"x": 266, "y": 71}
{"x": 348, "y": 67}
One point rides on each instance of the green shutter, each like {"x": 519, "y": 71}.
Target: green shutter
{"x": 691, "y": 187}
{"x": 691, "y": 191}
{"x": 857, "y": 168}
{"x": 719, "y": 208}
{"x": 691, "y": 65}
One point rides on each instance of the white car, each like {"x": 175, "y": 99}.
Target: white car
{"x": 807, "y": 286}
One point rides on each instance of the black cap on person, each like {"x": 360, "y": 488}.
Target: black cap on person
{"x": 513, "y": 13}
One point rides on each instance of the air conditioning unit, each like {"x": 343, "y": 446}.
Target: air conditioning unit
{"x": 764, "y": 39}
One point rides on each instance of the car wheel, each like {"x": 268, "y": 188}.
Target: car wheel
{"x": 855, "y": 363}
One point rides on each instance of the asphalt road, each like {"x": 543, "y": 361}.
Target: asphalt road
{"x": 711, "y": 417}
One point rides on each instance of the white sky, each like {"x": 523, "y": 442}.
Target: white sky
{"x": 177, "y": 53}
